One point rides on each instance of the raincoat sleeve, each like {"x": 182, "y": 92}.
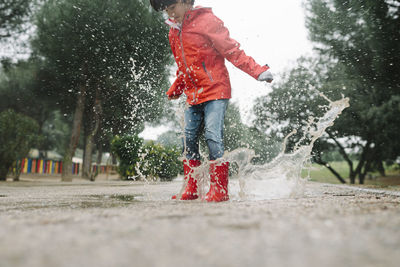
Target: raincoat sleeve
{"x": 177, "y": 87}
{"x": 230, "y": 49}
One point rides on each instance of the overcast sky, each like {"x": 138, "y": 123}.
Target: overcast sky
{"x": 271, "y": 31}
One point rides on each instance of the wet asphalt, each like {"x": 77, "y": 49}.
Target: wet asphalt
{"x": 115, "y": 223}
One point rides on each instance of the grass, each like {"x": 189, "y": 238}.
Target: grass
{"x": 318, "y": 173}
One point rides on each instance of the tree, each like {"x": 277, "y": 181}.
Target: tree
{"x": 234, "y": 129}
{"x": 13, "y": 13}
{"x": 363, "y": 38}
{"x": 18, "y": 133}
{"x": 292, "y": 104}
{"x": 170, "y": 138}
{"x": 158, "y": 162}
{"x": 239, "y": 135}
{"x": 127, "y": 149}
{"x": 18, "y": 91}
{"x": 295, "y": 101}
{"x": 111, "y": 55}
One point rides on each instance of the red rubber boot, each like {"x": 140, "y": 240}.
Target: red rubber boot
{"x": 190, "y": 191}
{"x": 218, "y": 182}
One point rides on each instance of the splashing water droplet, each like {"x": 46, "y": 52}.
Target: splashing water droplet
{"x": 280, "y": 178}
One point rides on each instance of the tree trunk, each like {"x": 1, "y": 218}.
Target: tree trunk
{"x": 3, "y": 173}
{"x": 381, "y": 169}
{"x": 99, "y": 155}
{"x": 352, "y": 178}
{"x": 359, "y": 168}
{"x": 98, "y": 163}
{"x": 342, "y": 151}
{"x": 66, "y": 175}
{"x": 362, "y": 162}
{"x": 87, "y": 168}
{"x": 368, "y": 164}
{"x": 85, "y": 134}
{"x": 361, "y": 176}
{"x": 113, "y": 159}
{"x": 87, "y": 158}
{"x": 4, "y": 168}
{"x": 18, "y": 169}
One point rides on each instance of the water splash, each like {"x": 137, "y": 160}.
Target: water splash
{"x": 280, "y": 178}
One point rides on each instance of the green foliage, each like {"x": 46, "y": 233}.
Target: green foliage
{"x": 290, "y": 105}
{"x": 18, "y": 91}
{"x": 359, "y": 58}
{"x": 105, "y": 63}
{"x": 363, "y": 37}
{"x": 160, "y": 162}
{"x": 151, "y": 161}
{"x": 295, "y": 102}
{"x": 118, "y": 48}
{"x": 13, "y": 13}
{"x": 55, "y": 131}
{"x": 170, "y": 138}
{"x": 18, "y": 133}
{"x": 234, "y": 129}
{"x": 292, "y": 102}
{"x": 127, "y": 149}
{"x": 239, "y": 135}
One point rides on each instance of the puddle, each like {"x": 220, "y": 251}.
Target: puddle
{"x": 120, "y": 197}
{"x": 125, "y": 198}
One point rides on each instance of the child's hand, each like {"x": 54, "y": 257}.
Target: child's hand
{"x": 173, "y": 97}
{"x": 266, "y": 76}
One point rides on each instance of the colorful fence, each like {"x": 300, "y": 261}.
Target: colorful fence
{"x": 40, "y": 166}
{"x": 100, "y": 169}
{"x": 43, "y": 166}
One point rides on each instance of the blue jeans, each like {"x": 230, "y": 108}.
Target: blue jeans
{"x": 210, "y": 117}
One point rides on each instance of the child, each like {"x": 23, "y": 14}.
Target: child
{"x": 200, "y": 44}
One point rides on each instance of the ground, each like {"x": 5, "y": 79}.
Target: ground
{"x": 114, "y": 223}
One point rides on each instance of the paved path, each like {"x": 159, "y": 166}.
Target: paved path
{"x": 129, "y": 224}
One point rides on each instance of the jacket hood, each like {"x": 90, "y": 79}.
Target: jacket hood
{"x": 189, "y": 15}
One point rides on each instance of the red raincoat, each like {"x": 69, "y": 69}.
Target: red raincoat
{"x": 200, "y": 47}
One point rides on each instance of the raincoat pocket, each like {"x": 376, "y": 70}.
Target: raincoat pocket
{"x": 206, "y": 71}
